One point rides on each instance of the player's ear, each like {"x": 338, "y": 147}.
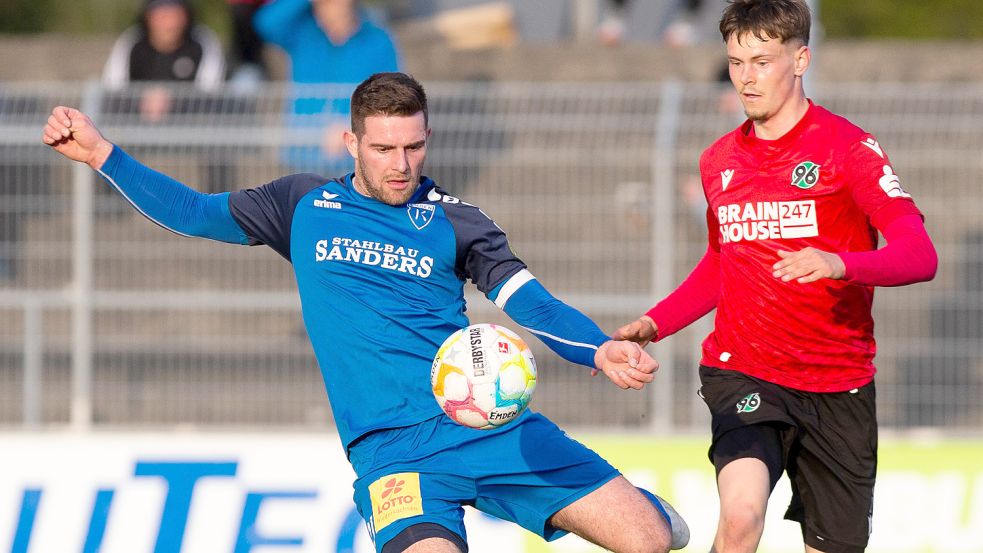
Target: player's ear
{"x": 802, "y": 58}
{"x": 351, "y": 142}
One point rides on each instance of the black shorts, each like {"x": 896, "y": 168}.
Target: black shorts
{"x": 826, "y": 442}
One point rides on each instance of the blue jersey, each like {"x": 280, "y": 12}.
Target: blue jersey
{"x": 381, "y": 286}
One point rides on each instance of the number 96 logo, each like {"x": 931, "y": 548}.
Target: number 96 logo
{"x": 805, "y": 175}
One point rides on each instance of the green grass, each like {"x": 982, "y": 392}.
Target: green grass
{"x": 92, "y": 16}
{"x": 911, "y": 19}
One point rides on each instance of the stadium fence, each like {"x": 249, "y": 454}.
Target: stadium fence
{"x": 108, "y": 321}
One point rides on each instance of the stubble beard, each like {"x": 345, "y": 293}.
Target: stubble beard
{"x": 379, "y": 191}
{"x": 756, "y": 116}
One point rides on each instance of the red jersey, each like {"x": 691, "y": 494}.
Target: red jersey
{"x": 826, "y": 184}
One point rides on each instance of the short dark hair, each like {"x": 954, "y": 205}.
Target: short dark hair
{"x": 784, "y": 20}
{"x": 387, "y": 94}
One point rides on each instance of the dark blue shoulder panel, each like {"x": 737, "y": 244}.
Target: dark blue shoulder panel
{"x": 483, "y": 252}
{"x": 265, "y": 213}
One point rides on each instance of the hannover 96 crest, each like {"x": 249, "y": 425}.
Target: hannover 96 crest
{"x": 805, "y": 175}
{"x": 750, "y": 403}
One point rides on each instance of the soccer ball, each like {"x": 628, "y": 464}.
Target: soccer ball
{"x": 483, "y": 376}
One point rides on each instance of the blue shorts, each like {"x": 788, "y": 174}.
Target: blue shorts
{"x": 523, "y": 472}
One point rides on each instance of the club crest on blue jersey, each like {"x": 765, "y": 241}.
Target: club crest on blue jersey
{"x": 420, "y": 214}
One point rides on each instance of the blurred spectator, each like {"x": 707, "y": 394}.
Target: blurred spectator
{"x": 247, "y": 46}
{"x": 328, "y": 42}
{"x": 674, "y": 22}
{"x": 166, "y": 45}
{"x": 684, "y": 30}
{"x": 611, "y": 32}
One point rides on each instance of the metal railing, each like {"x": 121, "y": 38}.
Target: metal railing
{"x": 107, "y": 320}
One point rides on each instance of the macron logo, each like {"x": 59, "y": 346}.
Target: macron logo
{"x": 725, "y": 177}
{"x": 873, "y": 145}
{"x": 327, "y": 202}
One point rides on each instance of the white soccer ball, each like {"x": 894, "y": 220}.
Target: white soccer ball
{"x": 483, "y": 376}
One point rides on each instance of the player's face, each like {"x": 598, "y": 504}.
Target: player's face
{"x": 389, "y": 156}
{"x": 767, "y": 74}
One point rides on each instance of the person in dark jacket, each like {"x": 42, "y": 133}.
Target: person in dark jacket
{"x": 166, "y": 45}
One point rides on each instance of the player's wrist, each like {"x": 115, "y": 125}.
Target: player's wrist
{"x": 653, "y": 327}
{"x": 601, "y": 354}
{"x": 100, "y": 153}
{"x": 838, "y": 267}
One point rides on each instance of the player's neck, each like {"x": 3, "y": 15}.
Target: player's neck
{"x": 784, "y": 120}
{"x": 359, "y": 186}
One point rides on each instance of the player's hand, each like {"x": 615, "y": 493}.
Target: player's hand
{"x": 625, "y": 363}
{"x": 72, "y": 134}
{"x": 808, "y": 265}
{"x": 641, "y": 331}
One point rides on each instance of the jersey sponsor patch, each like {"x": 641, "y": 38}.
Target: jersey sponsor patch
{"x": 395, "y": 497}
{"x": 377, "y": 254}
{"x": 767, "y": 221}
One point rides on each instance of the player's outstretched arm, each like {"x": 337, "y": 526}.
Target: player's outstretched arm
{"x": 625, "y": 364}
{"x": 72, "y": 134}
{"x": 693, "y": 298}
{"x": 571, "y": 334}
{"x": 156, "y": 196}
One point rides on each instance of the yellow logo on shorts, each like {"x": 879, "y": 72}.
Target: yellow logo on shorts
{"x": 395, "y": 497}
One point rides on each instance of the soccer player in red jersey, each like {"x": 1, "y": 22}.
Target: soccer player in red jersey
{"x": 796, "y": 198}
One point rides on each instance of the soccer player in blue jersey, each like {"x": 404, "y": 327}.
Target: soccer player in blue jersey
{"x": 381, "y": 257}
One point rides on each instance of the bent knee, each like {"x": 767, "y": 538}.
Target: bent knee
{"x": 741, "y": 521}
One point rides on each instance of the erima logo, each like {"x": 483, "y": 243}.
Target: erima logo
{"x": 749, "y": 404}
{"x": 725, "y": 177}
{"x": 873, "y": 145}
{"x": 326, "y": 202}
